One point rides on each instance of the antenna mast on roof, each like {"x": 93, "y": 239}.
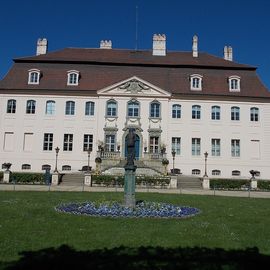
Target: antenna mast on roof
{"x": 136, "y": 31}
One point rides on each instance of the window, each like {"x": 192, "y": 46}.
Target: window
{"x": 196, "y": 112}
{"x": 50, "y": 107}
{"x": 196, "y": 82}
{"x": 73, "y": 77}
{"x": 70, "y": 108}
{"x": 66, "y": 168}
{"x": 196, "y": 172}
{"x": 154, "y": 145}
{"x": 236, "y": 173}
{"x": 46, "y": 167}
{"x": 33, "y": 76}
{"x": 155, "y": 109}
{"x": 254, "y": 114}
{"x": 9, "y": 141}
{"x": 176, "y": 111}
{"x": 216, "y": 147}
{"x": 234, "y": 84}
{"x": 110, "y": 143}
{"x": 196, "y": 146}
{"x": 215, "y": 115}
{"x": 26, "y": 167}
{"x": 133, "y": 109}
{"x": 235, "y": 113}
{"x": 176, "y": 145}
{"x": 48, "y": 142}
{"x": 30, "y": 106}
{"x": 216, "y": 172}
{"x": 111, "y": 108}
{"x": 68, "y": 142}
{"x": 28, "y": 142}
{"x": 11, "y": 106}
{"x": 235, "y": 148}
{"x": 87, "y": 142}
{"x": 90, "y": 108}
{"x": 254, "y": 149}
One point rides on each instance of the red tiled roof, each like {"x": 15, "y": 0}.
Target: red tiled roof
{"x": 100, "y": 68}
{"x": 133, "y": 57}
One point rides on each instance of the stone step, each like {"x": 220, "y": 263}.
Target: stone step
{"x": 189, "y": 182}
{"x": 72, "y": 179}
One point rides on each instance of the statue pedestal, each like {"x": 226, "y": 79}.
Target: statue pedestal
{"x": 206, "y": 182}
{"x": 173, "y": 182}
{"x": 253, "y": 183}
{"x": 87, "y": 179}
{"x": 55, "y": 178}
{"x": 6, "y": 176}
{"x": 129, "y": 187}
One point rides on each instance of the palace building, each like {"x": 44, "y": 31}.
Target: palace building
{"x": 185, "y": 103}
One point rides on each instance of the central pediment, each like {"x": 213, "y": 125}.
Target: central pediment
{"x": 134, "y": 86}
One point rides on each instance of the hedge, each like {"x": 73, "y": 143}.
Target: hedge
{"x": 111, "y": 180}
{"x": 28, "y": 178}
{"x": 237, "y": 184}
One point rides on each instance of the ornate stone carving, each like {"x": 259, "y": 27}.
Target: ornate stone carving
{"x": 134, "y": 86}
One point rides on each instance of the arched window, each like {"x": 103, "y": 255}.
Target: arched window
{"x": 196, "y": 172}
{"x": 236, "y": 173}
{"x": 11, "y": 106}
{"x": 111, "y": 110}
{"x": 30, "y": 106}
{"x": 254, "y": 114}
{"x": 66, "y": 168}
{"x": 46, "y": 167}
{"x": 155, "y": 109}
{"x": 70, "y": 108}
{"x": 26, "y": 167}
{"x": 50, "y": 107}
{"x": 196, "y": 112}
{"x": 33, "y": 76}
{"x": 176, "y": 111}
{"x": 89, "y": 108}
{"x": 73, "y": 77}
{"x": 196, "y": 82}
{"x": 133, "y": 108}
{"x": 234, "y": 83}
{"x": 215, "y": 114}
{"x": 235, "y": 113}
{"x": 216, "y": 172}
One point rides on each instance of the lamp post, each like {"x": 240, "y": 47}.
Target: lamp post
{"x": 56, "y": 157}
{"x": 88, "y": 155}
{"x": 173, "y": 156}
{"x": 205, "y": 164}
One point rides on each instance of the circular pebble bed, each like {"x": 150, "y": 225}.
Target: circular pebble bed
{"x": 115, "y": 209}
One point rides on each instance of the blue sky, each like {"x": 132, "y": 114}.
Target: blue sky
{"x": 242, "y": 24}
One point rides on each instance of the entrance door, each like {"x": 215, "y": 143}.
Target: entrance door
{"x": 137, "y": 147}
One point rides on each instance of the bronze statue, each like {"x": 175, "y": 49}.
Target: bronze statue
{"x": 131, "y": 139}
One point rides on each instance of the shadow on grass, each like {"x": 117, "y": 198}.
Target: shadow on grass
{"x": 141, "y": 258}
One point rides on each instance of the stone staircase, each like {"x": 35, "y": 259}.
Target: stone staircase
{"x": 72, "y": 179}
{"x": 142, "y": 169}
{"x": 189, "y": 182}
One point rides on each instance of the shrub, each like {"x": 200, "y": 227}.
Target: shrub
{"x": 263, "y": 185}
{"x": 110, "y": 180}
{"x": 229, "y": 183}
{"x": 27, "y": 178}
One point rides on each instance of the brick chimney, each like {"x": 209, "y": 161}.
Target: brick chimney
{"x": 105, "y": 44}
{"x": 228, "y": 53}
{"x": 159, "y": 45}
{"x": 42, "y": 46}
{"x": 195, "y": 46}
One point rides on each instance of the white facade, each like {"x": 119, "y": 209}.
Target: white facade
{"x": 22, "y": 134}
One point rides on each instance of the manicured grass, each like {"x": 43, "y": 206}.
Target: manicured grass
{"x": 28, "y": 222}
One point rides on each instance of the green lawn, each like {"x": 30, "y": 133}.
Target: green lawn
{"x": 28, "y": 222}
